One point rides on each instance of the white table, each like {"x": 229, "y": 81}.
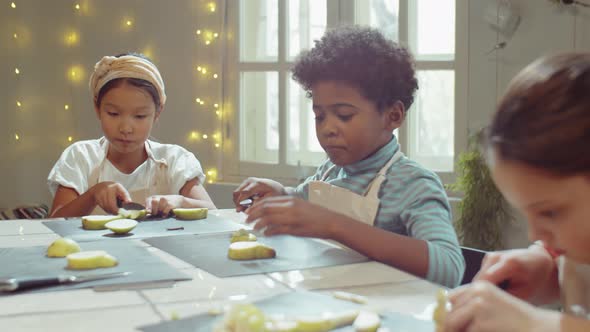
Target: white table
{"x": 127, "y": 309}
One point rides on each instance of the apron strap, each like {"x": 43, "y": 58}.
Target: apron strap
{"x": 375, "y": 185}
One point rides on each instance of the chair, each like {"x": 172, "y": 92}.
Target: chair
{"x": 473, "y": 258}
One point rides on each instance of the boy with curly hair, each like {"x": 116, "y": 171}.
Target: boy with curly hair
{"x": 367, "y": 195}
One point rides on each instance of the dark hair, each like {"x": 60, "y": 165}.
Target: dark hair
{"x": 136, "y": 82}
{"x": 544, "y": 118}
{"x": 382, "y": 70}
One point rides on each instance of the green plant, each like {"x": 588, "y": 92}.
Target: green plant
{"x": 483, "y": 210}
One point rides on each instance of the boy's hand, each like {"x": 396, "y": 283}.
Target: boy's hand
{"x": 161, "y": 205}
{"x": 105, "y": 195}
{"x": 258, "y": 187}
{"x": 290, "y": 215}
{"x": 529, "y": 271}
{"x": 483, "y": 307}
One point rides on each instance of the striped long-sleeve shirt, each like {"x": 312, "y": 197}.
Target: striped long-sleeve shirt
{"x": 413, "y": 202}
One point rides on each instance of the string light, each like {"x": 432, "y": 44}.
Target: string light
{"x": 16, "y": 137}
{"x": 71, "y": 38}
{"x": 13, "y": 5}
{"x": 198, "y": 100}
{"x": 218, "y": 113}
{"x": 18, "y": 103}
{"x": 77, "y": 6}
{"x": 207, "y": 42}
{"x": 204, "y": 71}
{"x": 70, "y": 138}
{"x": 216, "y": 105}
{"x": 205, "y": 136}
{"x": 199, "y": 68}
{"x": 66, "y": 107}
{"x": 16, "y": 71}
{"x": 194, "y": 135}
{"x": 216, "y": 35}
{"x": 217, "y": 145}
{"x": 212, "y": 6}
{"x": 129, "y": 23}
{"x": 76, "y": 74}
{"x": 214, "y": 75}
{"x": 198, "y": 32}
{"x": 212, "y": 174}
{"x": 15, "y": 35}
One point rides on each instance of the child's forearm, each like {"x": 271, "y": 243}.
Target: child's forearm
{"x": 406, "y": 253}
{"x": 83, "y": 205}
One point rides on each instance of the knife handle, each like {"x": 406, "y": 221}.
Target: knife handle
{"x": 17, "y": 284}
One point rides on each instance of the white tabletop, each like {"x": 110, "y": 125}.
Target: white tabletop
{"x": 127, "y": 309}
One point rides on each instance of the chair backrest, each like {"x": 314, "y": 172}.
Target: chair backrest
{"x": 473, "y": 259}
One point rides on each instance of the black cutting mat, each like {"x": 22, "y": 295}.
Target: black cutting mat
{"x": 72, "y": 228}
{"x": 294, "y": 304}
{"x": 132, "y": 256}
{"x": 209, "y": 252}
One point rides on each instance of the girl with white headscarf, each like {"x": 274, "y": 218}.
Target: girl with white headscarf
{"x": 94, "y": 176}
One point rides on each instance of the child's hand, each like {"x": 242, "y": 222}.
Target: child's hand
{"x": 256, "y": 187}
{"x": 290, "y": 215}
{"x": 530, "y": 272}
{"x": 483, "y": 307}
{"x": 161, "y": 205}
{"x": 105, "y": 195}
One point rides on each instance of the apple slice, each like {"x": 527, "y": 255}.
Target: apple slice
{"x": 62, "y": 247}
{"x": 440, "y": 311}
{"x": 190, "y": 213}
{"x": 90, "y": 260}
{"x": 248, "y": 250}
{"x": 121, "y": 226}
{"x": 97, "y": 221}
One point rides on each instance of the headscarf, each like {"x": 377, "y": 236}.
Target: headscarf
{"x": 127, "y": 66}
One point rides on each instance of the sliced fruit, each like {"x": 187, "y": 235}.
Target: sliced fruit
{"x": 247, "y": 250}
{"x": 350, "y": 297}
{"x": 97, "y": 222}
{"x": 366, "y": 321}
{"x": 242, "y": 235}
{"x": 244, "y": 317}
{"x": 132, "y": 214}
{"x": 440, "y": 311}
{"x": 62, "y": 247}
{"x": 121, "y": 226}
{"x": 190, "y": 213}
{"x": 90, "y": 260}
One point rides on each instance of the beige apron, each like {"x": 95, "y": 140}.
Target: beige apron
{"x": 156, "y": 181}
{"x": 359, "y": 207}
{"x": 574, "y": 282}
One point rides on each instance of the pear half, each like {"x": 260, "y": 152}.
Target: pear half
{"x": 90, "y": 260}
{"x": 121, "y": 226}
{"x": 248, "y": 250}
{"x": 242, "y": 235}
{"x": 62, "y": 247}
{"x": 98, "y": 221}
{"x": 132, "y": 214}
{"x": 366, "y": 321}
{"x": 440, "y": 311}
{"x": 190, "y": 213}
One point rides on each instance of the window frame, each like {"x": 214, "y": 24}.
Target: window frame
{"x": 338, "y": 12}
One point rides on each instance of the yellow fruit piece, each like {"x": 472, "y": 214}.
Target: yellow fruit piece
{"x": 121, "y": 226}
{"x": 97, "y": 222}
{"x": 90, "y": 260}
{"x": 250, "y": 250}
{"x": 190, "y": 213}
{"x": 62, "y": 247}
{"x": 242, "y": 235}
{"x": 132, "y": 214}
{"x": 440, "y": 311}
{"x": 366, "y": 321}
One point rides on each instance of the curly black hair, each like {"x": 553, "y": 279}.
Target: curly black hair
{"x": 382, "y": 70}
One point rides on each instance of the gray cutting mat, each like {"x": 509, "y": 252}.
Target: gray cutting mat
{"x": 294, "y": 304}
{"x": 209, "y": 252}
{"x": 132, "y": 256}
{"x": 72, "y": 228}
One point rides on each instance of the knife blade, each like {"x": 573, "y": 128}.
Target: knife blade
{"x": 17, "y": 284}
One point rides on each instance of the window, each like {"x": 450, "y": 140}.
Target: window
{"x": 271, "y": 124}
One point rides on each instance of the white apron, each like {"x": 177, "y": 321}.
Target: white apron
{"x": 359, "y": 207}
{"x": 574, "y": 282}
{"x": 156, "y": 181}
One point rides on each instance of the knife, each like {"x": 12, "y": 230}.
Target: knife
{"x": 17, "y": 284}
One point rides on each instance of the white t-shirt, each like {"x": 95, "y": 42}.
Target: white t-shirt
{"x": 81, "y": 159}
